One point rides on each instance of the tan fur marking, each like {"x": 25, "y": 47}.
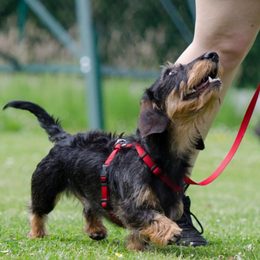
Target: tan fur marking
{"x": 37, "y": 226}
{"x": 184, "y": 132}
{"x": 188, "y": 115}
{"x": 161, "y": 231}
{"x": 198, "y": 72}
{"x": 183, "y": 86}
{"x": 147, "y": 197}
{"x": 94, "y": 226}
{"x": 136, "y": 242}
{"x": 188, "y": 109}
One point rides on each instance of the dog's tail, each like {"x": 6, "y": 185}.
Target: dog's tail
{"x": 47, "y": 122}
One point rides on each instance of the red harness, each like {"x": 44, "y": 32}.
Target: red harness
{"x": 122, "y": 144}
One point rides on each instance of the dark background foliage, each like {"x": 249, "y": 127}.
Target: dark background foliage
{"x": 131, "y": 34}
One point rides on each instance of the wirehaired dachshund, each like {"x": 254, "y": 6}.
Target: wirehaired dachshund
{"x": 172, "y": 110}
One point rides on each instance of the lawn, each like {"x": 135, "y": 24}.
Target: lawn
{"x": 229, "y": 208}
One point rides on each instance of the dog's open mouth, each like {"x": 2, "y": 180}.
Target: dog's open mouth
{"x": 210, "y": 81}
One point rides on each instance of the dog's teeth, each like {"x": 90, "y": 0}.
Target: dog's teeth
{"x": 210, "y": 79}
{"x": 192, "y": 91}
{"x": 213, "y": 80}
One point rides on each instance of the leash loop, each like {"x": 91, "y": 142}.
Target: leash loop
{"x": 234, "y": 147}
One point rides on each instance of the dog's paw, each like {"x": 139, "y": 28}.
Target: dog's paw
{"x": 175, "y": 234}
{"x": 162, "y": 231}
{"x": 97, "y": 232}
{"x": 135, "y": 242}
{"x": 99, "y": 235}
{"x": 39, "y": 234}
{"x": 174, "y": 239}
{"x": 140, "y": 246}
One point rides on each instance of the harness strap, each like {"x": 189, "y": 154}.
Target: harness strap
{"x": 155, "y": 169}
{"x": 103, "y": 175}
{"x": 121, "y": 143}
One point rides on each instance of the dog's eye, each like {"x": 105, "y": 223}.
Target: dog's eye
{"x": 169, "y": 72}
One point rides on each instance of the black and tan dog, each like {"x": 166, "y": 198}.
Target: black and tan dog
{"x": 168, "y": 130}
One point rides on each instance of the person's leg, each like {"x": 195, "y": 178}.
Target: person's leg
{"x": 228, "y": 27}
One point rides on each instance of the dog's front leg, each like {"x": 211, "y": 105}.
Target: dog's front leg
{"x": 142, "y": 214}
{"x": 161, "y": 231}
{"x": 149, "y": 225}
{"x": 94, "y": 225}
{"x": 136, "y": 241}
{"x": 175, "y": 211}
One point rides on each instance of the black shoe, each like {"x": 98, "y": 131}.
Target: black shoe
{"x": 190, "y": 236}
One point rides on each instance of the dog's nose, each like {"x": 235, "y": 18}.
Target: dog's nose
{"x": 211, "y": 56}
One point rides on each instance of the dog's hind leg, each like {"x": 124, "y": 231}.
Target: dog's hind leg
{"x": 37, "y": 223}
{"x": 94, "y": 225}
{"x": 40, "y": 208}
{"x": 38, "y": 215}
{"x": 46, "y": 187}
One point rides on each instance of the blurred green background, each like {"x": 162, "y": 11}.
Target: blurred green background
{"x": 64, "y": 97}
{"x": 132, "y": 38}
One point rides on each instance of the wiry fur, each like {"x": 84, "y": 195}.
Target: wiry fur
{"x": 168, "y": 129}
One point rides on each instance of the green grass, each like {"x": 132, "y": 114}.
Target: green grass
{"x": 229, "y": 208}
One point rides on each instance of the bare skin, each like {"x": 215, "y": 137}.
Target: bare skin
{"x": 228, "y": 27}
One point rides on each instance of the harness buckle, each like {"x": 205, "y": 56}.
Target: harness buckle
{"x": 122, "y": 142}
{"x": 104, "y": 188}
{"x": 103, "y": 174}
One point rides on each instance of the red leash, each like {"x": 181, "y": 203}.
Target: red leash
{"x": 234, "y": 147}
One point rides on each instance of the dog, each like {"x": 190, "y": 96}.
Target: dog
{"x": 168, "y": 131}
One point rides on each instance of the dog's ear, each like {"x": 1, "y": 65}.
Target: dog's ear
{"x": 151, "y": 119}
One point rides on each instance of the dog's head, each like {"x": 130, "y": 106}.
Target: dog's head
{"x": 182, "y": 92}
